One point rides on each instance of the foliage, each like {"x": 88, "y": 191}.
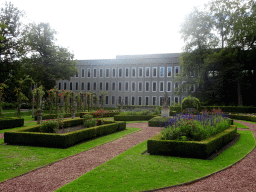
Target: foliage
{"x": 2, "y": 87}
{"x": 50, "y": 126}
{"x": 100, "y": 113}
{"x": 190, "y": 102}
{"x": 89, "y": 121}
{"x": 138, "y": 111}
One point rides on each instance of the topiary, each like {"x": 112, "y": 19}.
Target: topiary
{"x": 190, "y": 102}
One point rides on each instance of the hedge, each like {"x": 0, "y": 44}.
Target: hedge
{"x": 11, "y": 122}
{"x": 133, "y": 117}
{"x": 54, "y": 116}
{"x": 194, "y": 149}
{"x": 242, "y": 117}
{"x": 110, "y": 114}
{"x": 31, "y": 135}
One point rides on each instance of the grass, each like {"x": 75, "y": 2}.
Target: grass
{"x": 16, "y": 160}
{"x": 132, "y": 171}
{"x": 241, "y": 126}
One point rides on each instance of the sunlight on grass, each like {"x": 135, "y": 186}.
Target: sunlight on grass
{"x": 241, "y": 126}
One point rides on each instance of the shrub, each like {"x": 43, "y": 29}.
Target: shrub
{"x": 190, "y": 102}
{"x": 49, "y": 126}
{"x": 89, "y": 121}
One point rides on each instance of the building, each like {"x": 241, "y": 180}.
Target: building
{"x": 131, "y": 79}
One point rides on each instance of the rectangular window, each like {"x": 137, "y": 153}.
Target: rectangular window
{"x": 140, "y": 86}
{"x": 161, "y": 72}
{"x": 133, "y": 100}
{"x": 82, "y": 86}
{"x": 169, "y": 86}
{"x": 88, "y": 86}
{"x": 120, "y": 72}
{"x": 176, "y": 100}
{"x": 106, "y": 100}
{"x": 59, "y": 86}
{"x": 154, "y": 86}
{"x": 126, "y": 72}
{"x": 113, "y": 72}
{"x": 113, "y": 86}
{"x": 154, "y": 72}
{"x": 169, "y": 71}
{"x": 65, "y": 86}
{"x": 161, "y": 86}
{"x": 113, "y": 100}
{"x": 140, "y": 100}
{"x": 88, "y": 72}
{"x": 169, "y": 101}
{"x": 101, "y": 72}
{"x": 119, "y": 86}
{"x": 82, "y": 72}
{"x": 106, "y": 86}
{"x": 147, "y": 100}
{"x": 133, "y": 72}
{"x": 126, "y": 100}
{"x": 133, "y": 86}
{"x": 94, "y": 73}
{"x": 140, "y": 72}
{"x": 146, "y": 86}
{"x": 177, "y": 70}
{"x": 101, "y": 86}
{"x": 147, "y": 71}
{"x": 153, "y": 100}
{"x": 76, "y": 85}
{"x": 176, "y": 87}
{"x": 161, "y": 101}
{"x": 184, "y": 86}
{"x": 70, "y": 86}
{"x": 107, "y": 73}
{"x": 126, "y": 86}
{"x": 192, "y": 88}
{"x": 76, "y": 75}
{"x": 119, "y": 99}
{"x": 94, "y": 86}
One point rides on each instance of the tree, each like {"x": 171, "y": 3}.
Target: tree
{"x": 45, "y": 61}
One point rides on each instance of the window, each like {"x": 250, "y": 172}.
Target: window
{"x": 59, "y": 86}
{"x": 65, "y": 86}
{"x": 113, "y": 100}
{"x": 88, "y": 72}
{"x": 82, "y": 72}
{"x": 133, "y": 100}
{"x": 94, "y": 73}
{"x": 169, "y": 86}
{"x": 184, "y": 86}
{"x": 146, "y": 86}
{"x": 176, "y": 86}
{"x": 177, "y": 70}
{"x": 70, "y": 86}
{"x": 82, "y": 86}
{"x": 101, "y": 72}
{"x": 94, "y": 86}
{"x": 119, "y": 86}
{"x": 161, "y": 101}
{"x": 106, "y": 100}
{"x": 154, "y": 100}
{"x": 107, "y": 73}
{"x": 120, "y": 72}
{"x": 147, "y": 69}
{"x": 126, "y": 72}
{"x": 119, "y": 99}
{"x": 101, "y": 86}
{"x": 126, "y": 100}
{"x": 169, "y": 71}
{"x": 140, "y": 86}
{"x": 140, "y": 72}
{"x": 154, "y": 72}
{"x": 76, "y": 85}
{"x": 88, "y": 86}
{"x": 169, "y": 101}
{"x": 126, "y": 86}
{"x": 192, "y": 88}
{"x": 161, "y": 86}
{"x": 113, "y": 72}
{"x": 154, "y": 86}
{"x": 176, "y": 100}
{"x": 133, "y": 72}
{"x": 161, "y": 72}
{"x": 140, "y": 100}
{"x": 133, "y": 86}
{"x": 76, "y": 75}
{"x": 106, "y": 86}
{"x": 147, "y": 100}
{"x": 113, "y": 86}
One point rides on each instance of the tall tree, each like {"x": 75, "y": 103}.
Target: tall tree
{"x": 45, "y": 61}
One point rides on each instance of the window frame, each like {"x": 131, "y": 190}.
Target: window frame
{"x": 133, "y": 70}
{"x": 82, "y": 73}
{"x": 153, "y": 100}
{"x": 126, "y": 71}
{"x": 154, "y": 82}
{"x": 133, "y": 83}
{"x": 114, "y": 72}
{"x": 114, "y": 86}
{"x": 119, "y": 83}
{"x": 88, "y": 72}
{"x": 140, "y": 90}
{"x": 161, "y": 82}
{"x": 169, "y": 67}
{"x": 140, "y": 69}
{"x": 120, "y": 76}
{"x": 147, "y": 100}
{"x": 168, "y": 87}
{"x": 154, "y": 68}
{"x": 107, "y": 72}
{"x": 161, "y": 74}
{"x": 101, "y": 73}
{"x": 147, "y": 82}
{"x": 146, "y": 71}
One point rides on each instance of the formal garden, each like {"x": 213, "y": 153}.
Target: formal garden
{"x": 192, "y": 144}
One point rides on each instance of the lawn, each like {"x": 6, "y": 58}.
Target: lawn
{"x": 133, "y": 171}
{"x": 241, "y": 126}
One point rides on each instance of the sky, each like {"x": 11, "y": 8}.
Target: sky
{"x": 102, "y": 29}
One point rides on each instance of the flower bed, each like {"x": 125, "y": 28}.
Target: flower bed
{"x": 32, "y": 136}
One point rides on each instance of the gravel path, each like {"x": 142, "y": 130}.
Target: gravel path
{"x": 239, "y": 177}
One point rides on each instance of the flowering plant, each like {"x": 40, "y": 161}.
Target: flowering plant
{"x": 89, "y": 121}
{"x": 50, "y": 126}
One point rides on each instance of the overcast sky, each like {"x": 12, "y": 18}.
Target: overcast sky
{"x": 102, "y": 29}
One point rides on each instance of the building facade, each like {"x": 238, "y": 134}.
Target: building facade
{"x": 131, "y": 79}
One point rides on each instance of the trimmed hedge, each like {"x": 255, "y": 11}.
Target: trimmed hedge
{"x": 54, "y": 116}
{"x": 195, "y": 149}
{"x": 133, "y": 117}
{"x": 110, "y": 114}
{"x": 242, "y": 117}
{"x": 11, "y": 122}
{"x": 32, "y": 136}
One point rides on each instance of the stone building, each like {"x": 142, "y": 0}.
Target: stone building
{"x": 131, "y": 79}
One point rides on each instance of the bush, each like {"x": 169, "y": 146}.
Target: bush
{"x": 190, "y": 102}
{"x": 11, "y": 122}
{"x": 89, "y": 121}
{"x": 49, "y": 126}
{"x": 132, "y": 117}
